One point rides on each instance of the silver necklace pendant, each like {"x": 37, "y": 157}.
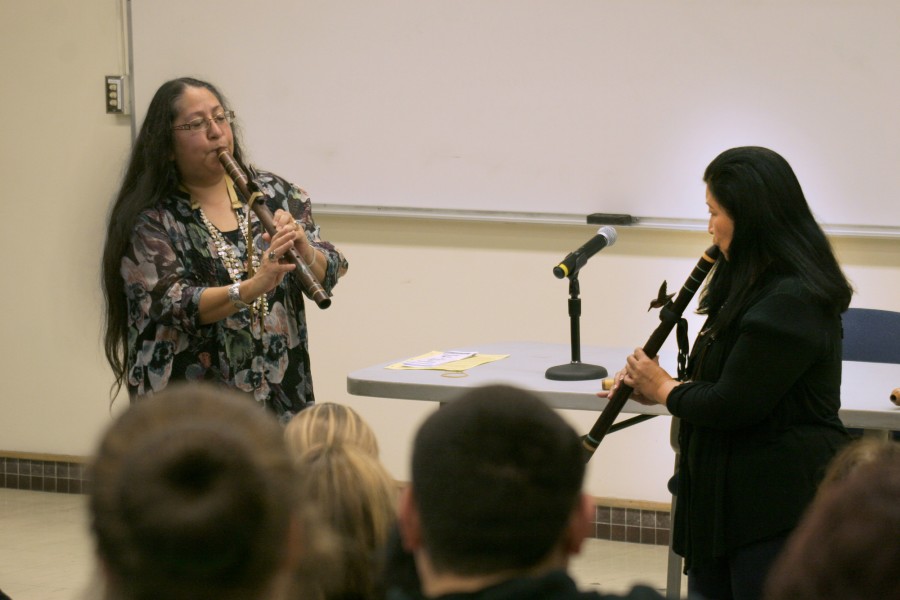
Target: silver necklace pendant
{"x": 230, "y": 256}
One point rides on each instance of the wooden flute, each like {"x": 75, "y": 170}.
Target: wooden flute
{"x": 307, "y": 280}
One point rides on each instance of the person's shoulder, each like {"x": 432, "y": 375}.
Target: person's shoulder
{"x": 638, "y": 592}
{"x": 642, "y": 592}
{"x": 176, "y": 206}
{"x": 790, "y": 285}
{"x": 277, "y": 183}
{"x": 264, "y": 177}
{"x": 781, "y": 291}
{"x": 787, "y": 307}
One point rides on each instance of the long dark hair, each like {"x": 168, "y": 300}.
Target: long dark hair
{"x": 774, "y": 233}
{"x": 151, "y": 176}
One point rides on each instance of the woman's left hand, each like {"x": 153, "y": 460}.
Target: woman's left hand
{"x": 650, "y": 382}
{"x": 285, "y": 220}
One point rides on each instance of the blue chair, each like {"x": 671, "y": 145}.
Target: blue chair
{"x": 871, "y": 335}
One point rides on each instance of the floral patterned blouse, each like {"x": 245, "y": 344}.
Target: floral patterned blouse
{"x": 172, "y": 259}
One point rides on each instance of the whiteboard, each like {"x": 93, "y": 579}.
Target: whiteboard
{"x": 545, "y": 106}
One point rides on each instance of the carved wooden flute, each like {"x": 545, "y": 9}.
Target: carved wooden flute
{"x": 309, "y": 282}
{"x": 654, "y": 343}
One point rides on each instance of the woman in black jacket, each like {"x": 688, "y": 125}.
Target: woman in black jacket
{"x": 759, "y": 410}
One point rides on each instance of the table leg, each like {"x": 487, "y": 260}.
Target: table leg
{"x": 673, "y": 567}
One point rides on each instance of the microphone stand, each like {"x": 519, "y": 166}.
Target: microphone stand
{"x": 575, "y": 370}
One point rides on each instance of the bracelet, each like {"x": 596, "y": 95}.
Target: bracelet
{"x": 234, "y": 294}
{"x": 310, "y": 264}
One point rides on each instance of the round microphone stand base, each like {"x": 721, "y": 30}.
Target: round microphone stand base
{"x": 576, "y": 371}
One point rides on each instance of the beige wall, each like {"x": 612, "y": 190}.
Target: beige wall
{"x": 61, "y": 158}
{"x": 413, "y": 286}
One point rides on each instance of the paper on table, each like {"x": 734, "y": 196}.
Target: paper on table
{"x": 462, "y": 364}
{"x": 435, "y": 358}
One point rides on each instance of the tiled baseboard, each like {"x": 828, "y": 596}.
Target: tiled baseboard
{"x": 38, "y": 475}
{"x": 636, "y": 524}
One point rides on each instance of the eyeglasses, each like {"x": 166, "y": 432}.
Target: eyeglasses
{"x": 202, "y": 123}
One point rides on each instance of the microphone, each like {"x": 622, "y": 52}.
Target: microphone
{"x": 606, "y": 236}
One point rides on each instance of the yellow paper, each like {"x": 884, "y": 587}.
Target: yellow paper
{"x": 456, "y": 365}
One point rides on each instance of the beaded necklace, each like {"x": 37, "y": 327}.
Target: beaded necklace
{"x": 231, "y": 258}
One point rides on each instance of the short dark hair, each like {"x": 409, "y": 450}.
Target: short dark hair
{"x": 192, "y": 496}
{"x": 774, "y": 231}
{"x": 496, "y": 475}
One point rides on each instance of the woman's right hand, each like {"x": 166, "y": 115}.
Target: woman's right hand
{"x": 272, "y": 264}
{"x": 617, "y": 383}
{"x": 649, "y": 382}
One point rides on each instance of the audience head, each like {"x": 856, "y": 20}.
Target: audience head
{"x": 194, "y": 495}
{"x": 847, "y": 546}
{"x": 354, "y": 495}
{"x": 329, "y": 423}
{"x": 857, "y": 453}
{"x": 496, "y": 486}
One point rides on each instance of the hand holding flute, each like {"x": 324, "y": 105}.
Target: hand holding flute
{"x": 642, "y": 365}
{"x": 308, "y": 281}
{"x": 649, "y": 382}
